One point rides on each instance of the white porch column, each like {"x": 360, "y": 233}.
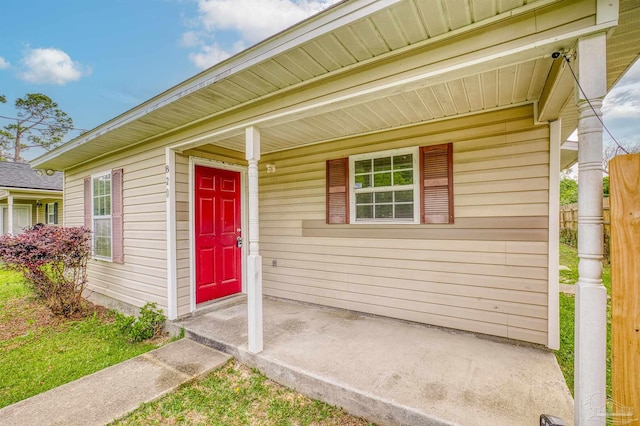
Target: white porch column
{"x": 10, "y": 214}
{"x": 172, "y": 276}
{"x": 254, "y": 261}
{"x": 591, "y": 296}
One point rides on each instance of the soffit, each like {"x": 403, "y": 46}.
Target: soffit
{"x": 402, "y": 24}
{"x": 498, "y": 88}
{"x": 623, "y": 49}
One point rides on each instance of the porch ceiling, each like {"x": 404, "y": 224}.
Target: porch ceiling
{"x": 351, "y": 36}
{"x": 497, "y": 88}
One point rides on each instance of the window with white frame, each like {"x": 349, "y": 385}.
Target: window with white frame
{"x": 51, "y": 213}
{"x": 101, "y": 215}
{"x": 385, "y": 187}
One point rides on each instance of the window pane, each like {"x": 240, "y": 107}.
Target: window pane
{"x": 364, "y": 212}
{"x": 403, "y": 196}
{"x": 363, "y": 181}
{"x": 102, "y": 237}
{"x": 384, "y": 211}
{"x": 381, "y": 164}
{"x": 403, "y": 161}
{"x": 384, "y": 197}
{"x": 382, "y": 179}
{"x": 404, "y": 211}
{"x": 404, "y": 177}
{"x": 363, "y": 166}
{"x": 364, "y": 198}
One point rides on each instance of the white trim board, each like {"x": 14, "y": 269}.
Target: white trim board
{"x": 553, "y": 308}
{"x": 244, "y": 203}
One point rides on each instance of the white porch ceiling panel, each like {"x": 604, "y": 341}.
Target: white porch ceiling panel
{"x": 511, "y": 85}
{"x": 400, "y": 25}
{"x": 257, "y": 77}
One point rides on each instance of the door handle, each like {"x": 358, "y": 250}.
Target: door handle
{"x": 239, "y": 242}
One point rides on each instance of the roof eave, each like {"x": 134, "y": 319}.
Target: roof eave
{"x": 337, "y": 15}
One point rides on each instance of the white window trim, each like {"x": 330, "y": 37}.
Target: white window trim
{"x": 110, "y": 216}
{"x": 51, "y": 211}
{"x": 244, "y": 207}
{"x": 416, "y": 185}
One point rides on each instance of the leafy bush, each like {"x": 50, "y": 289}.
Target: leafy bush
{"x": 149, "y": 323}
{"x": 53, "y": 261}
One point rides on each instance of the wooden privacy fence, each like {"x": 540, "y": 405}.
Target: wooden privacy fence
{"x": 569, "y": 226}
{"x": 625, "y": 287}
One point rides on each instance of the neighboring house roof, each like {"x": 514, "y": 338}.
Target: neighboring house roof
{"x": 22, "y": 176}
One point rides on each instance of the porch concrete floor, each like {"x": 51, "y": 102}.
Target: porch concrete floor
{"x": 389, "y": 371}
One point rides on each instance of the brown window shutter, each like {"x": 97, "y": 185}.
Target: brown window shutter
{"x": 46, "y": 213}
{"x": 436, "y": 183}
{"x": 87, "y": 202}
{"x": 55, "y": 213}
{"x": 338, "y": 191}
{"x": 117, "y": 246}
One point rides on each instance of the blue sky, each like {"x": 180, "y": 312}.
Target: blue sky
{"x": 98, "y": 59}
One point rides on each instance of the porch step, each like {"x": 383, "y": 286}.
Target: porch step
{"x": 217, "y": 305}
{"x": 391, "y": 372}
{"x": 354, "y": 401}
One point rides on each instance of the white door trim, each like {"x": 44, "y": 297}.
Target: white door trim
{"x": 244, "y": 202}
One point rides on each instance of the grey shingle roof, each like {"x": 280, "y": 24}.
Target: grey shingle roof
{"x": 21, "y": 175}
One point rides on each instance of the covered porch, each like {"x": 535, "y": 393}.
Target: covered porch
{"x": 391, "y": 371}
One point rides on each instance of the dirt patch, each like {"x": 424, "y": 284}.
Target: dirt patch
{"x": 24, "y": 315}
{"x": 27, "y": 315}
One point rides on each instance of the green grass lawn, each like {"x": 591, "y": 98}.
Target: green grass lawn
{"x": 235, "y": 395}
{"x": 39, "y": 351}
{"x": 565, "y": 355}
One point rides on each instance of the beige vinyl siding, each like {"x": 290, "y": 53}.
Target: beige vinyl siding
{"x": 39, "y": 212}
{"x": 486, "y": 273}
{"x": 143, "y": 275}
{"x": 183, "y": 217}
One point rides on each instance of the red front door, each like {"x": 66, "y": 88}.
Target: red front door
{"x": 217, "y": 228}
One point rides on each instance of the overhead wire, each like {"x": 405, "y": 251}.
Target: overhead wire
{"x": 618, "y": 145}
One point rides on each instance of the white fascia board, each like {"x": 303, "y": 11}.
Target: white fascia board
{"x": 337, "y": 16}
{"x": 22, "y": 192}
{"x": 446, "y": 71}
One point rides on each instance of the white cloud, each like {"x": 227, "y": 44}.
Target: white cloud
{"x": 208, "y": 56}
{"x": 250, "y": 20}
{"x": 50, "y": 65}
{"x": 256, "y": 20}
{"x": 191, "y": 39}
{"x": 4, "y": 64}
{"x": 621, "y": 108}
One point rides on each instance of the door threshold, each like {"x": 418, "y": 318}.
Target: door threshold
{"x": 217, "y": 304}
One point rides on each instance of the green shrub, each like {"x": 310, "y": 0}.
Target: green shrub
{"x": 148, "y": 324}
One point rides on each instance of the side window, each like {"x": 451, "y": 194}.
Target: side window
{"x": 52, "y": 213}
{"x": 103, "y": 208}
{"x": 101, "y": 215}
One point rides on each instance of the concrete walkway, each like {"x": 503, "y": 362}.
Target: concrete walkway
{"x": 111, "y": 393}
{"x": 393, "y": 372}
